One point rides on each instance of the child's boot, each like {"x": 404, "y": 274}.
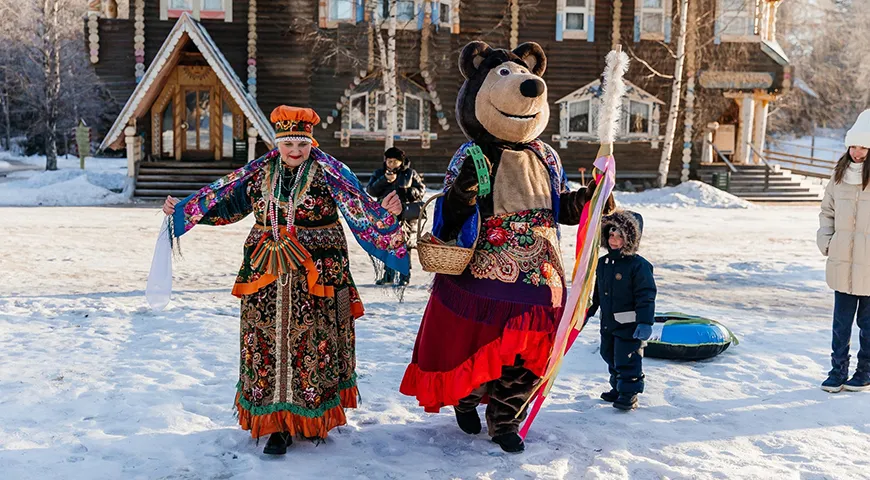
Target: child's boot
{"x": 626, "y": 401}
{"x": 859, "y": 382}
{"x": 610, "y": 396}
{"x": 836, "y": 379}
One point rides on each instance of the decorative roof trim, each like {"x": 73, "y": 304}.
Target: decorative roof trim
{"x": 216, "y": 60}
{"x": 593, "y": 90}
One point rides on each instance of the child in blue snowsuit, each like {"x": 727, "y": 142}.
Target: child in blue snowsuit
{"x": 626, "y": 293}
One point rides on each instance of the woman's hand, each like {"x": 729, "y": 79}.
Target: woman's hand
{"x": 169, "y": 205}
{"x": 392, "y": 203}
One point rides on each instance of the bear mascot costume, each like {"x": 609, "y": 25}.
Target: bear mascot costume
{"x": 486, "y": 335}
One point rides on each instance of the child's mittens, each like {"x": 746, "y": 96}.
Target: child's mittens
{"x": 643, "y": 332}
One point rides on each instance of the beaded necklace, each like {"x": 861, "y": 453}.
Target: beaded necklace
{"x": 292, "y": 201}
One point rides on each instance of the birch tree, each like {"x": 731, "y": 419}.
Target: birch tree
{"x": 676, "y": 88}
{"x": 387, "y": 53}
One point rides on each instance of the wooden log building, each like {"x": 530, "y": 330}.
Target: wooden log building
{"x": 195, "y": 80}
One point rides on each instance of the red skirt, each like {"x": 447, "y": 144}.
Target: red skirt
{"x": 471, "y": 329}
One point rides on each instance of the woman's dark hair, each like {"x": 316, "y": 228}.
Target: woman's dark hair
{"x": 843, "y": 164}
{"x": 396, "y": 153}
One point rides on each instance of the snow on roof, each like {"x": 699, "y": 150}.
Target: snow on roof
{"x": 593, "y": 90}
{"x": 187, "y": 27}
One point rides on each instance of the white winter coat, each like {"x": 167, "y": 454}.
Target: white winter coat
{"x": 844, "y": 237}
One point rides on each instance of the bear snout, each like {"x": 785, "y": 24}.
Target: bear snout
{"x": 532, "y": 88}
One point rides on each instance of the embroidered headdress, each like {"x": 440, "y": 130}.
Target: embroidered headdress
{"x": 294, "y": 123}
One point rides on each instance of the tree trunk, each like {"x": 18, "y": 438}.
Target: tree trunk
{"x": 674, "y": 108}
{"x": 7, "y": 120}
{"x": 51, "y": 70}
{"x": 390, "y": 76}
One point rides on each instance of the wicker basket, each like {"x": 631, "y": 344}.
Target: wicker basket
{"x": 437, "y": 258}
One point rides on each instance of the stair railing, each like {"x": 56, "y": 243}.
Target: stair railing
{"x": 722, "y": 157}
{"x": 767, "y": 167}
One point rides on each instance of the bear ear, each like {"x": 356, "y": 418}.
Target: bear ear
{"x": 533, "y": 56}
{"x": 472, "y": 56}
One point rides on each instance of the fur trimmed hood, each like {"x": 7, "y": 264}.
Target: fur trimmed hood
{"x": 630, "y": 224}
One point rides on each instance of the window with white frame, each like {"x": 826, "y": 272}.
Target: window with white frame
{"x": 359, "y": 113}
{"x": 737, "y": 18}
{"x": 576, "y": 12}
{"x": 579, "y": 117}
{"x": 406, "y": 10}
{"x": 445, "y": 13}
{"x": 381, "y": 111}
{"x": 639, "y": 118}
{"x": 413, "y": 113}
{"x": 199, "y": 9}
{"x": 652, "y": 18}
{"x": 341, "y": 10}
{"x": 361, "y": 109}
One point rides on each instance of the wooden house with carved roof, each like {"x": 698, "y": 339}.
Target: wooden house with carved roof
{"x": 195, "y": 80}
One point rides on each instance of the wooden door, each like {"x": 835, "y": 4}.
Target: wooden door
{"x": 196, "y": 128}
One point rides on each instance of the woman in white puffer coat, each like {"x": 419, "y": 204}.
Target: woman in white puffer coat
{"x": 844, "y": 237}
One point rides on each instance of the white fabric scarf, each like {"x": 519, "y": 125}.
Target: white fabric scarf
{"x": 854, "y": 173}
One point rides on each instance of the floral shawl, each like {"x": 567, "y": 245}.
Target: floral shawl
{"x": 377, "y": 231}
{"x": 545, "y": 153}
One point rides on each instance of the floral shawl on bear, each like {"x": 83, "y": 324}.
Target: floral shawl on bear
{"x": 469, "y": 231}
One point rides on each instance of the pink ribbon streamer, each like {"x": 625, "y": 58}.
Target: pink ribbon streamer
{"x": 567, "y": 333}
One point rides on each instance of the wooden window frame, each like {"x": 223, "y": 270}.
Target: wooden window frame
{"x": 575, "y": 33}
{"x": 449, "y": 22}
{"x": 364, "y": 95}
{"x": 412, "y": 24}
{"x": 419, "y": 117}
{"x": 665, "y": 11}
{"x": 589, "y": 113}
{"x": 197, "y": 12}
{"x": 723, "y": 17}
{"x": 325, "y": 14}
{"x": 626, "y": 132}
{"x": 586, "y": 33}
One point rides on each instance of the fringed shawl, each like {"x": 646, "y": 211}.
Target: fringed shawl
{"x": 377, "y": 231}
{"x": 468, "y": 233}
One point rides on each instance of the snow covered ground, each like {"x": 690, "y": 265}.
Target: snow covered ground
{"x": 24, "y": 181}
{"x": 95, "y": 385}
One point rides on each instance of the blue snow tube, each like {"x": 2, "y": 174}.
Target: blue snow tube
{"x": 677, "y": 336}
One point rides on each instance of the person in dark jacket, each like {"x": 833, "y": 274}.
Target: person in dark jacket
{"x": 398, "y": 176}
{"x": 625, "y": 290}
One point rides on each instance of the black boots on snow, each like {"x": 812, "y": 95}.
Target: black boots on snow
{"x": 278, "y": 443}
{"x": 469, "y": 422}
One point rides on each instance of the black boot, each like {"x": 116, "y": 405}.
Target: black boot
{"x": 278, "y": 443}
{"x": 469, "y": 422}
{"x": 610, "y": 396}
{"x": 626, "y": 401}
{"x": 510, "y": 442}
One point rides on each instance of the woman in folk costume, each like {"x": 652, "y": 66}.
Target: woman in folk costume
{"x": 299, "y": 301}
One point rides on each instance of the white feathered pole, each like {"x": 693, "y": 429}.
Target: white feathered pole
{"x": 610, "y": 107}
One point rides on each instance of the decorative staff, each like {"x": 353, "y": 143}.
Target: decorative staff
{"x": 589, "y": 232}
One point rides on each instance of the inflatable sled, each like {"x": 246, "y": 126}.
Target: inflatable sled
{"x": 677, "y": 336}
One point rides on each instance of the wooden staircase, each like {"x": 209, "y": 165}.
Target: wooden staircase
{"x": 758, "y": 183}
{"x": 156, "y": 180}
